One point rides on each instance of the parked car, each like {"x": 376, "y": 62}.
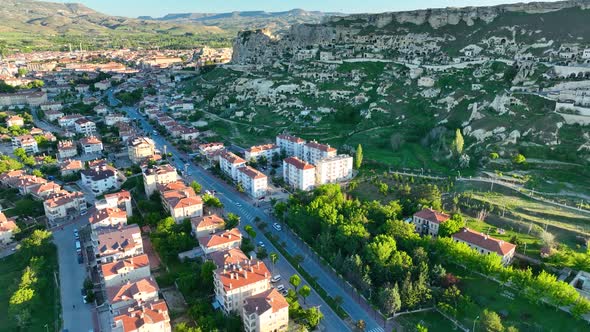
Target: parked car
{"x": 261, "y": 244}
{"x": 276, "y": 278}
{"x": 284, "y": 292}
{"x": 277, "y": 226}
{"x": 80, "y": 258}
{"x": 78, "y": 247}
{"x": 281, "y": 288}
{"x": 76, "y": 234}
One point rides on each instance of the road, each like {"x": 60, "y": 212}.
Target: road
{"x": 236, "y": 203}
{"x": 42, "y": 124}
{"x": 77, "y": 316}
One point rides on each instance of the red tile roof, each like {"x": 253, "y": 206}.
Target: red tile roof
{"x": 252, "y": 173}
{"x": 239, "y": 275}
{"x": 321, "y": 147}
{"x": 222, "y": 237}
{"x": 228, "y": 257}
{"x": 260, "y": 148}
{"x": 130, "y": 290}
{"x": 108, "y": 213}
{"x": 484, "y": 241}
{"x": 268, "y": 300}
{"x": 124, "y": 265}
{"x": 290, "y": 138}
{"x": 150, "y": 314}
{"x": 207, "y": 221}
{"x": 432, "y": 215}
{"x": 298, "y": 163}
{"x": 232, "y": 158}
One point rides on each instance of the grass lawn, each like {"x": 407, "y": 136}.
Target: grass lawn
{"x": 432, "y": 320}
{"x": 518, "y": 311}
{"x": 533, "y": 244}
{"x": 44, "y": 302}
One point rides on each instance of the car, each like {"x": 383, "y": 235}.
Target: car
{"x": 84, "y": 299}
{"x": 83, "y": 213}
{"x": 76, "y": 234}
{"x": 238, "y": 204}
{"x": 80, "y": 258}
{"x": 277, "y": 226}
{"x": 284, "y": 292}
{"x": 281, "y": 288}
{"x": 276, "y": 278}
{"x": 261, "y": 244}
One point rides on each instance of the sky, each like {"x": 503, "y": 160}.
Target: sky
{"x": 158, "y": 8}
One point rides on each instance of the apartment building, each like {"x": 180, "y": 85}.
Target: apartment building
{"x": 132, "y": 293}
{"x": 7, "y": 229}
{"x": 116, "y": 244}
{"x": 121, "y": 200}
{"x": 91, "y": 145}
{"x": 334, "y": 169}
{"x": 221, "y": 240}
{"x": 26, "y": 142}
{"x": 181, "y": 201}
{"x": 206, "y": 225}
{"x": 85, "y": 127}
{"x": 68, "y": 167}
{"x": 66, "y": 149}
{"x": 299, "y": 174}
{"x": 313, "y": 152}
{"x": 267, "y": 151}
{"x": 120, "y": 272}
{"x": 152, "y": 177}
{"x": 427, "y": 221}
{"x": 140, "y": 148}
{"x": 108, "y": 218}
{"x": 230, "y": 163}
{"x": 486, "y": 245}
{"x": 31, "y": 98}
{"x": 69, "y": 121}
{"x": 266, "y": 312}
{"x": 15, "y": 121}
{"x": 254, "y": 182}
{"x": 149, "y": 317}
{"x": 100, "y": 179}
{"x": 290, "y": 145}
{"x": 206, "y": 148}
{"x": 64, "y": 206}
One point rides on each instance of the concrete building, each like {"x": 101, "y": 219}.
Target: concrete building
{"x": 181, "y": 201}
{"x": 69, "y": 121}
{"x": 15, "y": 121}
{"x": 149, "y": 317}
{"x": 299, "y": 174}
{"x": 152, "y": 177}
{"x": 313, "y": 152}
{"x": 230, "y": 163}
{"x": 206, "y": 225}
{"x": 254, "y": 182}
{"x": 108, "y": 218}
{"x": 334, "y": 169}
{"x": 64, "y": 206}
{"x": 125, "y": 270}
{"x": 486, "y": 245}
{"x": 266, "y": 312}
{"x": 140, "y": 148}
{"x": 30, "y": 98}
{"x": 221, "y": 241}
{"x": 115, "y": 244}
{"x": 121, "y": 200}
{"x": 100, "y": 179}
{"x": 66, "y": 150}
{"x": 7, "y": 229}
{"x": 85, "y": 127}
{"x": 267, "y": 151}
{"x": 290, "y": 145}
{"x": 427, "y": 221}
{"x": 132, "y": 293}
{"x": 69, "y": 166}
{"x": 26, "y": 142}
{"x": 91, "y": 145}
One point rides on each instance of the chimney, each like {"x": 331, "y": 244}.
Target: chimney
{"x": 230, "y": 286}
{"x": 245, "y": 274}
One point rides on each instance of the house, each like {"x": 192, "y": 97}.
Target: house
{"x": 85, "y": 127}
{"x": 334, "y": 169}
{"x": 299, "y": 174}
{"x": 66, "y": 150}
{"x": 100, "y": 179}
{"x": 26, "y": 142}
{"x": 234, "y": 283}
{"x": 44, "y": 190}
{"x": 15, "y": 121}
{"x": 227, "y": 257}
{"x": 10, "y": 178}
{"x": 427, "y": 221}
{"x": 102, "y": 85}
{"x": 70, "y": 166}
{"x": 7, "y": 229}
{"x": 313, "y": 152}
{"x": 149, "y": 317}
{"x": 112, "y": 119}
{"x": 91, "y": 145}
{"x": 21, "y": 98}
{"x": 189, "y": 133}
{"x": 64, "y": 206}
{"x": 266, "y": 312}
{"x": 26, "y": 183}
{"x": 485, "y": 244}
{"x": 268, "y": 151}
{"x": 121, "y": 200}
{"x": 221, "y": 240}
{"x": 52, "y": 115}
{"x": 132, "y": 293}
{"x": 181, "y": 201}
{"x": 230, "y": 163}
{"x": 140, "y": 148}
{"x": 82, "y": 88}
{"x": 205, "y": 225}
{"x": 69, "y": 121}
{"x": 116, "y": 244}
{"x": 290, "y": 145}
{"x": 254, "y": 182}
{"x": 53, "y": 108}
{"x": 125, "y": 270}
{"x": 101, "y": 110}
{"x": 207, "y": 148}
{"x": 109, "y": 217}
{"x": 154, "y": 176}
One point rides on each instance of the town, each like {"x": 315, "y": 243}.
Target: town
{"x": 291, "y": 183}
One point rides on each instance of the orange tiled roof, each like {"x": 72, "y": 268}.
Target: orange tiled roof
{"x": 133, "y": 263}
{"x": 432, "y": 215}
{"x": 484, "y": 241}
{"x": 268, "y": 300}
{"x": 298, "y": 163}
{"x": 150, "y": 314}
{"x": 207, "y": 221}
{"x": 222, "y": 237}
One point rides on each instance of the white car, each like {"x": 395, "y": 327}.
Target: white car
{"x": 277, "y": 226}
{"x": 261, "y": 244}
{"x": 280, "y": 288}
{"x": 276, "y": 278}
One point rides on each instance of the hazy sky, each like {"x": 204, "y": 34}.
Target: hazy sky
{"x": 157, "y": 8}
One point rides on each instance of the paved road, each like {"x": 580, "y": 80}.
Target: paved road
{"x": 71, "y": 277}
{"x": 8, "y": 250}
{"x": 243, "y": 207}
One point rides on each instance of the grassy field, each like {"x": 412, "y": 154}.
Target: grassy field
{"x": 432, "y": 320}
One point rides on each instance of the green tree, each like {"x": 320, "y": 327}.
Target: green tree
{"x": 358, "y": 157}
{"x": 458, "y": 142}
{"x": 313, "y": 316}
{"x": 240, "y": 187}
{"x": 250, "y": 231}
{"x": 295, "y": 280}
{"x": 232, "y": 221}
{"x": 519, "y": 159}
{"x": 421, "y": 328}
{"x": 196, "y": 187}
{"x": 494, "y": 155}
{"x": 37, "y": 172}
{"x": 305, "y": 291}
{"x": 451, "y": 226}
{"x": 274, "y": 258}
{"x": 380, "y": 249}
{"x": 183, "y": 327}
{"x": 389, "y": 300}
{"x": 491, "y": 321}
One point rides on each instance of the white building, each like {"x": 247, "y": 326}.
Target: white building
{"x": 334, "y": 169}
{"x": 148, "y": 317}
{"x": 266, "y": 312}
{"x": 298, "y": 174}
{"x": 290, "y": 145}
{"x": 267, "y": 151}
{"x": 64, "y": 206}
{"x": 121, "y": 200}
{"x": 140, "y": 148}
{"x": 26, "y": 142}
{"x": 255, "y": 183}
{"x": 152, "y": 177}
{"x": 115, "y": 244}
{"x": 230, "y": 163}
{"x": 100, "y": 179}
{"x": 125, "y": 270}
{"x": 427, "y": 221}
{"x": 109, "y": 217}
{"x": 313, "y": 152}
{"x": 485, "y": 244}
{"x": 69, "y": 120}
{"x": 85, "y": 127}
{"x": 66, "y": 150}
{"x": 91, "y": 145}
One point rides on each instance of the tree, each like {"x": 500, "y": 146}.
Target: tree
{"x": 494, "y": 155}
{"x": 380, "y": 249}
{"x": 408, "y": 294}
{"x": 313, "y": 316}
{"x": 38, "y": 173}
{"x": 491, "y": 321}
{"x": 519, "y": 159}
{"x": 274, "y": 258}
{"x": 458, "y": 142}
{"x": 511, "y": 329}
{"x": 196, "y": 186}
{"x": 358, "y": 157}
{"x": 183, "y": 327}
{"x": 232, "y": 221}
{"x": 250, "y": 231}
{"x": 421, "y": 328}
{"x": 295, "y": 280}
{"x": 240, "y": 187}
{"x": 452, "y": 225}
{"x": 261, "y": 253}
{"x": 389, "y": 300}
{"x": 305, "y": 291}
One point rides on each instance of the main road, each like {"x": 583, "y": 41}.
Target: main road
{"x": 235, "y": 202}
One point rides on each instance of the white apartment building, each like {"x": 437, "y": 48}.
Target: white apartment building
{"x": 91, "y": 145}
{"x": 255, "y": 183}
{"x": 121, "y": 200}
{"x": 100, "y": 179}
{"x": 220, "y": 241}
{"x": 163, "y": 174}
{"x": 257, "y": 152}
{"x": 64, "y": 206}
{"x": 298, "y": 174}
{"x": 230, "y": 163}
{"x": 109, "y": 217}
{"x": 115, "y": 244}
{"x": 26, "y": 142}
{"x": 206, "y": 225}
{"x": 485, "y": 244}
{"x": 66, "y": 150}
{"x": 140, "y": 148}
{"x": 125, "y": 270}
{"x": 85, "y": 127}
{"x": 290, "y": 145}
{"x": 313, "y": 152}
{"x": 334, "y": 169}
{"x": 69, "y": 120}
{"x": 427, "y": 221}
{"x": 266, "y": 312}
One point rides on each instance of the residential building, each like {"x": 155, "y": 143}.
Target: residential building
{"x": 486, "y": 245}
{"x": 116, "y": 244}
{"x": 334, "y": 169}
{"x": 299, "y": 174}
{"x": 44, "y": 190}
{"x": 266, "y": 312}
{"x": 205, "y": 225}
{"x": 181, "y": 201}
{"x": 132, "y": 293}
{"x": 22, "y": 98}
{"x": 70, "y": 166}
{"x": 140, "y": 148}
{"x": 66, "y": 150}
{"x": 26, "y": 183}
{"x": 313, "y": 152}
{"x": 154, "y": 176}
{"x": 69, "y": 121}
{"x": 221, "y": 240}
{"x": 267, "y": 151}
{"x": 290, "y": 145}
{"x": 120, "y": 272}
{"x": 427, "y": 221}
{"x": 85, "y": 127}
{"x": 100, "y": 179}
{"x": 91, "y": 145}
{"x": 64, "y": 206}
{"x": 230, "y": 163}
{"x": 15, "y": 121}
{"x": 236, "y": 282}
{"x": 108, "y": 218}
{"x": 207, "y": 148}
{"x": 149, "y": 317}
{"x": 52, "y": 115}
{"x": 227, "y": 257}
{"x": 7, "y": 229}
{"x": 254, "y": 182}
{"x": 112, "y": 119}
{"x": 120, "y": 200}
{"x": 26, "y": 142}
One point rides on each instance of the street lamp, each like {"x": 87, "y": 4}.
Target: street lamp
{"x": 475, "y": 320}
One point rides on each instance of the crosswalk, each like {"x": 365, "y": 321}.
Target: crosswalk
{"x": 377, "y": 329}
